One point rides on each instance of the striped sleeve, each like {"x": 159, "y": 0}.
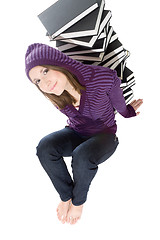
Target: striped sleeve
{"x": 117, "y": 99}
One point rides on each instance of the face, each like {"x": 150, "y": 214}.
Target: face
{"x": 48, "y": 80}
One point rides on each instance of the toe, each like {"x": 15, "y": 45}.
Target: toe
{"x": 68, "y": 219}
{"x": 63, "y": 219}
{"x": 76, "y": 220}
{"x": 72, "y": 221}
{"x": 59, "y": 216}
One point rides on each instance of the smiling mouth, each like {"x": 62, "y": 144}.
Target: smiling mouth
{"x": 53, "y": 86}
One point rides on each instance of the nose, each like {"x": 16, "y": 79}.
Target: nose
{"x": 47, "y": 84}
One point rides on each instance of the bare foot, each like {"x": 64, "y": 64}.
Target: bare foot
{"x": 74, "y": 213}
{"x": 62, "y": 210}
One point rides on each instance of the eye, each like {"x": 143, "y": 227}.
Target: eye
{"x": 45, "y": 71}
{"x": 37, "y": 81}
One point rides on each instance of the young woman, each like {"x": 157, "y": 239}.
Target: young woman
{"x": 88, "y": 96}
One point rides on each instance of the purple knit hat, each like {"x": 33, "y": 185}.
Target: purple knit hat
{"x": 41, "y": 54}
{"x": 37, "y": 54}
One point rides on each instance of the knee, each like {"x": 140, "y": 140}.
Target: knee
{"x": 41, "y": 147}
{"x": 81, "y": 159}
{"x": 78, "y": 156}
{"x": 44, "y": 147}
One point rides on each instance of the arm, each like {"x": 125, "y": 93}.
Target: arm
{"x": 118, "y": 101}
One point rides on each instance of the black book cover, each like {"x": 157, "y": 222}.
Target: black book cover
{"x": 85, "y": 41}
{"x": 62, "y": 46}
{"x": 89, "y": 57}
{"x": 99, "y": 46}
{"x": 89, "y": 41}
{"x": 127, "y": 74}
{"x": 115, "y": 60}
{"x": 120, "y": 69}
{"x": 113, "y": 48}
{"x": 128, "y": 98}
{"x": 127, "y": 92}
{"x": 87, "y": 26}
{"x": 113, "y": 37}
{"x": 56, "y": 20}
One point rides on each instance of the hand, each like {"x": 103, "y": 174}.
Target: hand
{"x": 136, "y": 104}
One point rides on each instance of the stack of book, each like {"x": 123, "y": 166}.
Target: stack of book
{"x": 82, "y": 30}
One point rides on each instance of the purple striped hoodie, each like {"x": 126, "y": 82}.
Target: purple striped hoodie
{"x": 102, "y": 95}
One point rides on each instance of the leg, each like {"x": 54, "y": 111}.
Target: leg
{"x": 86, "y": 158}
{"x": 50, "y": 151}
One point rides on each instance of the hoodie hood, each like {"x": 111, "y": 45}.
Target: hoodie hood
{"x": 41, "y": 54}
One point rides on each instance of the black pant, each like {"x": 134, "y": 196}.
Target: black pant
{"x": 86, "y": 152}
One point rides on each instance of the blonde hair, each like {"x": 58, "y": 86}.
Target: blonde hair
{"x": 65, "y": 98}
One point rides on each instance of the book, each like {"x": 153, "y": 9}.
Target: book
{"x": 120, "y": 69}
{"x": 128, "y": 98}
{"x": 127, "y": 92}
{"x": 127, "y": 74}
{"x": 109, "y": 35}
{"x": 62, "y": 46}
{"x": 108, "y": 62}
{"x": 113, "y": 52}
{"x": 85, "y": 41}
{"x": 56, "y": 20}
{"x": 112, "y": 49}
{"x": 89, "y": 57}
{"x": 89, "y": 41}
{"x": 114, "y": 62}
{"x": 113, "y": 37}
{"x": 127, "y": 54}
{"x": 129, "y": 85}
{"x": 87, "y": 26}
{"x": 99, "y": 46}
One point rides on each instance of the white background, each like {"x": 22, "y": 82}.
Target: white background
{"x": 123, "y": 201}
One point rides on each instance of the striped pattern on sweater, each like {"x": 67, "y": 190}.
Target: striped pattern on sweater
{"x": 103, "y": 93}
{"x": 96, "y": 113}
